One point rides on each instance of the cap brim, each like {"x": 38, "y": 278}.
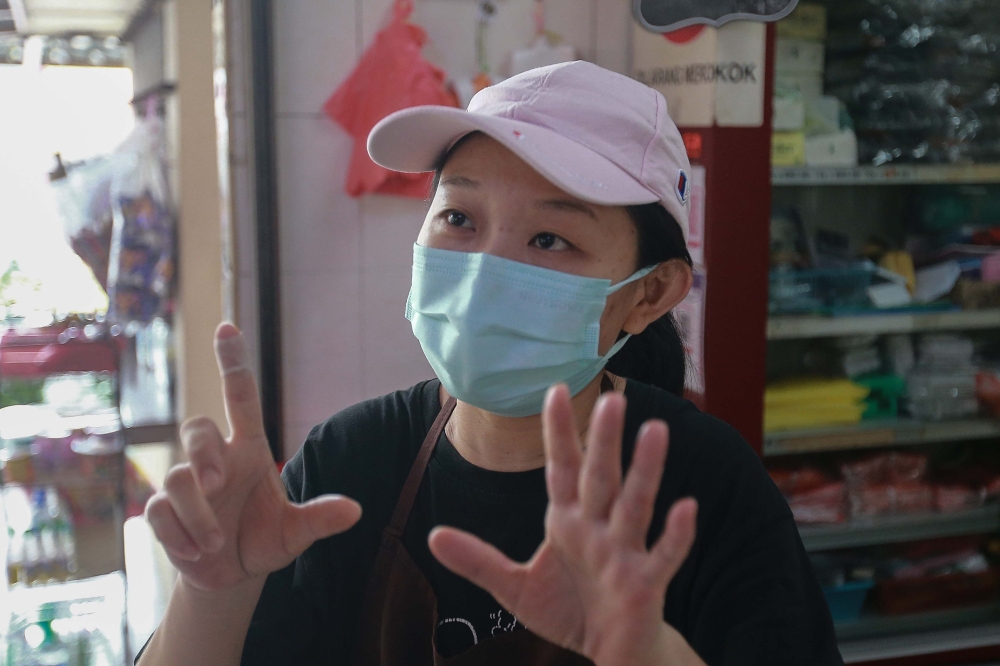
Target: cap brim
{"x": 412, "y": 140}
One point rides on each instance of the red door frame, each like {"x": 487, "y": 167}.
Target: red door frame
{"x": 737, "y": 163}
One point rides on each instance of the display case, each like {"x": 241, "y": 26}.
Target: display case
{"x": 64, "y": 476}
{"x": 883, "y": 332}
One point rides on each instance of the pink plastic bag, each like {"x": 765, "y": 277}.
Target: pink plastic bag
{"x": 391, "y": 75}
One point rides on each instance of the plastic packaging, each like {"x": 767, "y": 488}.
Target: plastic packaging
{"x": 847, "y": 600}
{"x": 819, "y": 290}
{"x": 141, "y": 264}
{"x": 391, "y": 75}
{"x": 83, "y": 196}
{"x": 935, "y": 395}
{"x": 922, "y": 81}
{"x": 888, "y": 483}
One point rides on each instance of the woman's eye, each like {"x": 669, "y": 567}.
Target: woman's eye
{"x": 549, "y": 241}
{"x": 457, "y": 219}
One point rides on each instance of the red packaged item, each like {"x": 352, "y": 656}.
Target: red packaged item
{"x": 906, "y": 467}
{"x": 988, "y": 390}
{"x": 886, "y": 468}
{"x": 956, "y": 497}
{"x": 886, "y": 498}
{"x": 392, "y": 75}
{"x": 991, "y": 489}
{"x": 824, "y": 504}
{"x": 917, "y": 595}
{"x": 792, "y": 481}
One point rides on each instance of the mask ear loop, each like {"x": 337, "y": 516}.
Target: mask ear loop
{"x": 638, "y": 275}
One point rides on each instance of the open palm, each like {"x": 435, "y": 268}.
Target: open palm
{"x": 592, "y": 586}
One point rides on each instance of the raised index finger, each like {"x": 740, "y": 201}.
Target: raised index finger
{"x": 239, "y": 389}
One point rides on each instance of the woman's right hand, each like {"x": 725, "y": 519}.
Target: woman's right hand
{"x": 225, "y": 517}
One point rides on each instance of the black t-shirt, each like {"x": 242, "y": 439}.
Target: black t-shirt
{"x": 745, "y": 596}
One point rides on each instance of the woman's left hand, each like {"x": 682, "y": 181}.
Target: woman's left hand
{"x": 592, "y": 586}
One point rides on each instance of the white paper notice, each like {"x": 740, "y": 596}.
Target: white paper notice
{"x": 681, "y": 65}
{"x": 739, "y": 82}
{"x": 707, "y": 75}
{"x": 696, "y": 217}
{"x": 690, "y": 315}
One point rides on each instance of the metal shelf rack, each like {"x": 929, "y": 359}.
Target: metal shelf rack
{"x": 898, "y": 174}
{"x": 874, "y": 434}
{"x": 881, "y": 530}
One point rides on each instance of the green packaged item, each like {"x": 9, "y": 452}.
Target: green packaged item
{"x": 883, "y": 401}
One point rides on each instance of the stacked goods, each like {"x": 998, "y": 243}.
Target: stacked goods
{"x": 909, "y": 578}
{"x": 919, "y": 77}
{"x": 884, "y": 484}
{"x": 813, "y": 403}
{"x": 943, "y": 382}
{"x": 810, "y": 128}
{"x": 887, "y": 484}
{"x": 813, "y": 495}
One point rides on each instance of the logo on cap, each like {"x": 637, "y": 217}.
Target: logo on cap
{"x": 682, "y": 186}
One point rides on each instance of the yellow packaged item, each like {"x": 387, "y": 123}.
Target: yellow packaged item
{"x": 788, "y": 149}
{"x": 901, "y": 263}
{"x": 813, "y": 391}
{"x": 807, "y": 21}
{"x": 811, "y": 416}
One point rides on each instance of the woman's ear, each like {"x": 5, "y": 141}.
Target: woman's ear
{"x": 658, "y": 293}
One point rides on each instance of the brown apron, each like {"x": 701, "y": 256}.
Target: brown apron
{"x": 399, "y": 614}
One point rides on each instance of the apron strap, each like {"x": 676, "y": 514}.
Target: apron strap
{"x": 416, "y": 475}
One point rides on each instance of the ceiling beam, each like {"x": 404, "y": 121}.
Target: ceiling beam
{"x": 20, "y": 16}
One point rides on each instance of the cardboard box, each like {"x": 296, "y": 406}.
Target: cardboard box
{"x": 799, "y": 55}
{"x": 809, "y": 84}
{"x": 789, "y": 112}
{"x": 838, "y": 149}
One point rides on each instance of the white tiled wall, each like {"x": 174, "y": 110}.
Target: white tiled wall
{"x": 345, "y": 262}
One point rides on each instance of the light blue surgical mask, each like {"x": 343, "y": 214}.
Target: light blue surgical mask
{"x": 499, "y": 333}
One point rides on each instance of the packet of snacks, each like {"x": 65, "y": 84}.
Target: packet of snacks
{"x": 141, "y": 265}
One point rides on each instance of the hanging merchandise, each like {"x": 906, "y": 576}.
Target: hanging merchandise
{"x": 83, "y": 196}
{"x": 547, "y": 49}
{"x": 141, "y": 265}
{"x": 391, "y": 75}
{"x": 466, "y": 87}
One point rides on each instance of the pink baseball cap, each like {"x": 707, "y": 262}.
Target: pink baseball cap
{"x": 596, "y": 134}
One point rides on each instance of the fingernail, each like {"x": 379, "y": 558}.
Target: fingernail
{"x": 211, "y": 480}
{"x": 214, "y": 541}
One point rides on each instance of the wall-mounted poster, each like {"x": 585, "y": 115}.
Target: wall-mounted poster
{"x": 669, "y": 15}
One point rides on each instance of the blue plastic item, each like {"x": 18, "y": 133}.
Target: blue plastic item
{"x": 845, "y": 601}
{"x": 820, "y": 289}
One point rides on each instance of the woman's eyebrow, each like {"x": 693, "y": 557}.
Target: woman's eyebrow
{"x": 459, "y": 181}
{"x": 567, "y": 204}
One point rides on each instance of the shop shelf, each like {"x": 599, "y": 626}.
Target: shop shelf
{"x": 872, "y": 434}
{"x": 151, "y": 434}
{"x": 874, "y": 638}
{"x": 792, "y": 327}
{"x": 900, "y": 528}
{"x": 899, "y": 174}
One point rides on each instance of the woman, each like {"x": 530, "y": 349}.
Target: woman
{"x": 551, "y": 246}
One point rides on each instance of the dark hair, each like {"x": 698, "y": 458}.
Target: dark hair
{"x": 655, "y": 356}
